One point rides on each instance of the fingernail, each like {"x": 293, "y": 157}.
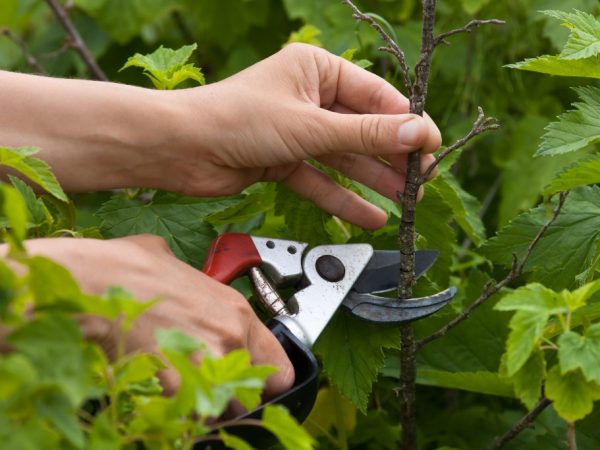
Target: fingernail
{"x": 409, "y": 133}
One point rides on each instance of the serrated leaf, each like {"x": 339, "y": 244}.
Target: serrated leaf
{"x": 555, "y": 65}
{"x": 258, "y": 200}
{"x": 584, "y": 40}
{"x": 177, "y": 341}
{"x": 575, "y": 129}
{"x": 573, "y": 397}
{"x": 54, "y": 344}
{"x": 179, "y": 220}
{"x": 352, "y": 354}
{"x": 308, "y": 34}
{"x": 527, "y": 381}
{"x": 581, "y": 174}
{"x": 304, "y": 220}
{"x": 534, "y": 305}
{"x": 167, "y": 67}
{"x": 35, "y": 169}
{"x": 13, "y": 207}
{"x": 135, "y": 369}
{"x": 464, "y": 205}
{"x": 565, "y": 249}
{"x": 581, "y": 352}
{"x": 290, "y": 434}
{"x": 489, "y": 383}
{"x": 331, "y": 411}
{"x": 38, "y": 213}
{"x": 103, "y": 436}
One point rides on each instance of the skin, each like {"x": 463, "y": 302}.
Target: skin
{"x": 261, "y": 124}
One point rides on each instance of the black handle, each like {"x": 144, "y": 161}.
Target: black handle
{"x": 299, "y": 400}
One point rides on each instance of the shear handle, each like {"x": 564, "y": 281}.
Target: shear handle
{"x": 230, "y": 256}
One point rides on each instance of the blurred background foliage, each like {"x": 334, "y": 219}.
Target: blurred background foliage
{"x": 498, "y": 168}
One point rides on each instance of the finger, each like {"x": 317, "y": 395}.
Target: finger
{"x": 316, "y": 186}
{"x": 431, "y": 144}
{"x": 399, "y": 162}
{"x": 265, "y": 349}
{"x": 368, "y": 134}
{"x": 369, "y": 171}
{"x": 358, "y": 89}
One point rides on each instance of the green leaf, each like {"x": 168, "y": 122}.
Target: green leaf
{"x": 581, "y": 352}
{"x": 16, "y": 373}
{"x": 304, "y": 220}
{"x": 38, "y": 213}
{"x": 134, "y": 369}
{"x": 583, "y": 173}
{"x": 118, "y": 303}
{"x": 352, "y": 354}
{"x": 584, "y": 40}
{"x": 166, "y": 67}
{"x": 35, "y": 169}
{"x": 291, "y": 435}
{"x": 534, "y": 305}
{"x": 260, "y": 199}
{"x": 573, "y": 397}
{"x": 233, "y": 442}
{"x": 566, "y": 248}
{"x": 527, "y": 381}
{"x": 54, "y": 406}
{"x": 555, "y": 65}
{"x": 124, "y": 20}
{"x": 489, "y": 383}
{"x": 55, "y": 346}
{"x": 464, "y": 206}
{"x": 307, "y": 34}
{"x": 177, "y": 341}
{"x": 331, "y": 411}
{"x": 15, "y": 210}
{"x": 179, "y": 220}
{"x": 471, "y": 7}
{"x": 103, "y": 436}
{"x": 575, "y": 129}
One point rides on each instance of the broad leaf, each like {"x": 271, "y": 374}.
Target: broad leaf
{"x": 575, "y": 129}
{"x": 583, "y": 173}
{"x": 179, "y": 220}
{"x": 38, "y": 213}
{"x": 307, "y": 34}
{"x": 489, "y": 383}
{"x": 584, "y": 41}
{"x": 233, "y": 442}
{"x": 564, "y": 251}
{"x": 331, "y": 412}
{"x": 534, "y": 305}
{"x": 166, "y": 67}
{"x": 528, "y": 380}
{"x": 13, "y": 207}
{"x": 555, "y": 65}
{"x": 352, "y": 353}
{"x": 581, "y": 352}
{"x": 291, "y": 435}
{"x": 35, "y": 169}
{"x": 573, "y": 397}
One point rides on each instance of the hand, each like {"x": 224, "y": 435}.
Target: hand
{"x": 215, "y": 314}
{"x": 301, "y": 103}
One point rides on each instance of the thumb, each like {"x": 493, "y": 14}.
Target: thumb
{"x": 374, "y": 134}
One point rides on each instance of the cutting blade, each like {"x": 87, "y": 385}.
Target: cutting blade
{"x": 381, "y": 273}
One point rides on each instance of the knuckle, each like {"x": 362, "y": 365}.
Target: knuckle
{"x": 371, "y": 129}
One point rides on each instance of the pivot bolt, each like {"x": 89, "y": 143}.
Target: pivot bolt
{"x": 330, "y": 268}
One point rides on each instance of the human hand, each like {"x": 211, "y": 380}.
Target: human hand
{"x": 301, "y": 103}
{"x": 215, "y": 314}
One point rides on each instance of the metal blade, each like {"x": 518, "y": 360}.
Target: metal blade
{"x": 381, "y": 273}
{"x": 384, "y": 310}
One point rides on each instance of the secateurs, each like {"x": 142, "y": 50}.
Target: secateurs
{"x": 325, "y": 278}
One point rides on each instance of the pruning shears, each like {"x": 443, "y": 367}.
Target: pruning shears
{"x": 323, "y": 279}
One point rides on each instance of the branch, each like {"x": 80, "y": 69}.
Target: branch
{"x": 392, "y": 46}
{"x": 481, "y": 125}
{"x": 525, "y": 422}
{"x": 76, "y": 42}
{"x": 441, "y": 38}
{"x": 491, "y": 289}
{"x": 29, "y": 58}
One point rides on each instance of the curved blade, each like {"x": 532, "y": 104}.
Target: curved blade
{"x": 384, "y": 310}
{"x": 381, "y": 273}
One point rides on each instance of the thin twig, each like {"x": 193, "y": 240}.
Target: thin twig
{"x": 392, "y": 46}
{"x": 492, "y": 288}
{"x": 525, "y": 422}
{"x": 29, "y": 58}
{"x": 441, "y": 38}
{"x": 571, "y": 436}
{"x": 481, "y": 125}
{"x": 76, "y": 42}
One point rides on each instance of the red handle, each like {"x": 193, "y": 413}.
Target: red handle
{"x": 230, "y": 256}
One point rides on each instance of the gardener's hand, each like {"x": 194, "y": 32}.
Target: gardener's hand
{"x": 301, "y": 103}
{"x": 215, "y": 314}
